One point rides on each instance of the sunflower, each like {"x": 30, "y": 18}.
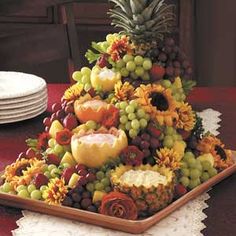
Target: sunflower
{"x": 22, "y": 171}
{"x": 73, "y": 92}
{"x": 123, "y": 92}
{"x": 56, "y": 191}
{"x": 223, "y": 158}
{"x": 187, "y": 117}
{"x": 158, "y": 102}
{"x": 119, "y": 47}
{"x": 168, "y": 158}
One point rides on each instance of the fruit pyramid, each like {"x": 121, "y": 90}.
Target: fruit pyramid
{"x": 123, "y": 141}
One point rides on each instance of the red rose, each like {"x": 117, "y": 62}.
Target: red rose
{"x": 43, "y": 141}
{"x": 63, "y": 137}
{"x": 111, "y": 117}
{"x": 119, "y": 205}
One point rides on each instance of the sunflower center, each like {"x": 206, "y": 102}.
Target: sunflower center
{"x": 220, "y": 151}
{"x": 19, "y": 171}
{"x": 159, "y": 101}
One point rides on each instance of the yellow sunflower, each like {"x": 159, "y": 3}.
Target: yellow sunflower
{"x": 22, "y": 171}
{"x": 56, "y": 191}
{"x": 186, "y": 115}
{"x": 223, "y": 158}
{"x": 158, "y": 102}
{"x": 73, "y": 92}
{"x": 168, "y": 158}
{"x": 123, "y": 92}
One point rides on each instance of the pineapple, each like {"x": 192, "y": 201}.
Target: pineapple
{"x": 144, "y": 21}
{"x": 149, "y": 195}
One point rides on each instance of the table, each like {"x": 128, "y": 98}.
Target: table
{"x": 222, "y": 204}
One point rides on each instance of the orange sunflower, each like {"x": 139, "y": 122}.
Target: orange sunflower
{"x": 223, "y": 158}
{"x": 158, "y": 103}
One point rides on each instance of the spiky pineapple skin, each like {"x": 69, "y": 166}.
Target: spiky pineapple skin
{"x": 148, "y": 200}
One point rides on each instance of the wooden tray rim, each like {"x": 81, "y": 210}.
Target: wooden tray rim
{"x": 130, "y": 226}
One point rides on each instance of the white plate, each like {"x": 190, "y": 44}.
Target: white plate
{"x": 18, "y": 105}
{"x": 24, "y": 117}
{"x": 22, "y": 114}
{"x": 16, "y": 111}
{"x": 18, "y": 84}
{"x": 35, "y": 96}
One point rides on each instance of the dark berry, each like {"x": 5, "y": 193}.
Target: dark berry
{"x": 56, "y": 107}
{"x": 146, "y": 152}
{"x": 82, "y": 172}
{"x": 85, "y": 203}
{"x": 86, "y": 194}
{"x": 154, "y": 142}
{"x": 76, "y": 205}
{"x": 90, "y": 177}
{"x": 145, "y": 137}
{"x": 47, "y": 121}
{"x": 144, "y": 145}
{"x": 136, "y": 141}
{"x": 76, "y": 197}
{"x": 67, "y": 201}
{"x": 92, "y": 208}
{"x": 80, "y": 167}
{"x": 82, "y": 181}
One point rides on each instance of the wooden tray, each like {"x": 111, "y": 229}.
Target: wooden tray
{"x": 130, "y": 226}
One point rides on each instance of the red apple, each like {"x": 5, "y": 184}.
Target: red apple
{"x": 70, "y": 122}
{"x": 53, "y": 159}
{"x": 157, "y": 72}
{"x": 67, "y": 173}
{"x": 40, "y": 179}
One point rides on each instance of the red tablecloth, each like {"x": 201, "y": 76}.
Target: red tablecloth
{"x": 222, "y": 204}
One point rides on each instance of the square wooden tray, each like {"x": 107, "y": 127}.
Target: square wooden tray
{"x": 130, "y": 226}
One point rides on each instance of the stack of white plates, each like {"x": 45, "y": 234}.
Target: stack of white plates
{"x": 22, "y": 96}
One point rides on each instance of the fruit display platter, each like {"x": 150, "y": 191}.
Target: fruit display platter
{"x": 123, "y": 148}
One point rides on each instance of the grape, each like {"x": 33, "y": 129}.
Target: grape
{"x": 124, "y": 72}
{"x": 135, "y": 124}
{"x": 99, "y": 186}
{"x": 133, "y": 133}
{"x": 108, "y": 173}
{"x": 129, "y": 109}
{"x": 133, "y": 75}
{"x": 199, "y": 166}
{"x": 91, "y": 124}
{"x": 87, "y": 87}
{"x": 51, "y": 142}
{"x": 168, "y": 142}
{"x": 145, "y": 137}
{"x": 139, "y": 71}
{"x": 183, "y": 165}
{"x": 169, "y": 130}
{"x": 188, "y": 155}
{"x": 204, "y": 177}
{"x": 191, "y": 162}
{"x": 85, "y": 203}
{"x": 147, "y": 117}
{"x": 21, "y": 187}
{"x": 120, "y": 64}
{"x": 206, "y": 165}
{"x": 143, "y": 123}
{"x": 55, "y": 172}
{"x": 138, "y": 60}
{"x": 43, "y": 188}
{"x": 130, "y": 66}
{"x": 23, "y": 193}
{"x": 90, "y": 187}
{"x": 85, "y": 79}
{"x": 128, "y": 58}
{"x": 92, "y": 208}
{"x": 56, "y": 107}
{"x": 144, "y": 144}
{"x": 147, "y": 64}
{"x": 184, "y": 181}
{"x": 86, "y": 71}
{"x": 31, "y": 188}
{"x": 140, "y": 113}
{"x": 36, "y": 194}
{"x": 131, "y": 116}
{"x": 146, "y": 76}
{"x": 185, "y": 172}
{"x": 91, "y": 176}
{"x": 212, "y": 172}
{"x": 58, "y": 149}
{"x": 7, "y": 187}
{"x": 136, "y": 141}
{"x": 194, "y": 173}
{"x": 194, "y": 183}
{"x": 166, "y": 83}
{"x": 47, "y": 173}
{"x": 100, "y": 175}
{"x": 123, "y": 105}
{"x": 51, "y": 167}
{"x": 77, "y": 75}
{"x": 133, "y": 103}
{"x": 105, "y": 182}
{"x": 128, "y": 125}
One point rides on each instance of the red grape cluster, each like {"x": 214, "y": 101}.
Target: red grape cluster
{"x": 64, "y": 112}
{"x": 168, "y": 54}
{"x": 148, "y": 142}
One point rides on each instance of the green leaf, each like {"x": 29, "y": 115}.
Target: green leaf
{"x": 32, "y": 143}
{"x": 92, "y": 56}
{"x": 188, "y": 85}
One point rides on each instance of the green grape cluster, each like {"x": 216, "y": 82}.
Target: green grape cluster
{"x": 133, "y": 118}
{"x": 194, "y": 172}
{"x": 55, "y": 148}
{"x": 177, "y": 90}
{"x": 102, "y": 182}
{"x": 134, "y": 67}
{"x": 170, "y": 136}
{"x": 52, "y": 171}
{"x": 83, "y": 77}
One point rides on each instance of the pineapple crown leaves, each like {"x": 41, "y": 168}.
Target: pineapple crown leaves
{"x": 143, "y": 20}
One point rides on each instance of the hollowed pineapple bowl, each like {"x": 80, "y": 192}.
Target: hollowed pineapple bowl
{"x": 151, "y": 187}
{"x": 95, "y": 148}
